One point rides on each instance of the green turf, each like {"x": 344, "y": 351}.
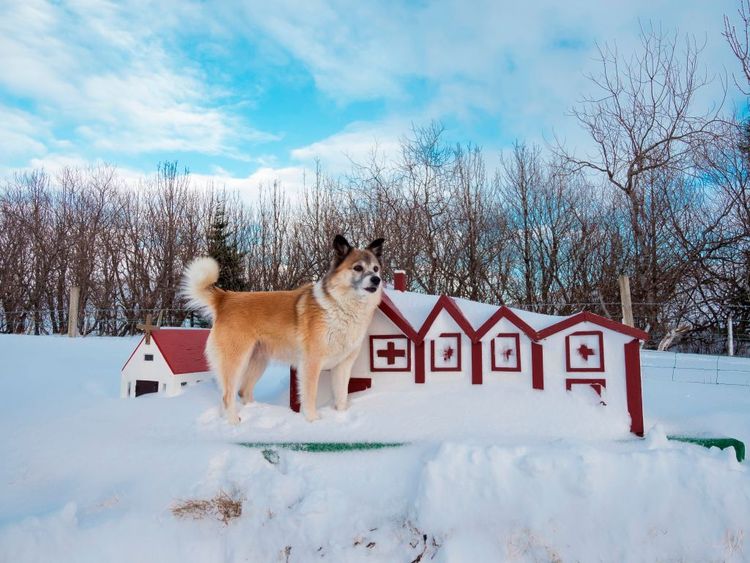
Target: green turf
{"x": 321, "y": 446}
{"x": 317, "y": 447}
{"x": 721, "y": 443}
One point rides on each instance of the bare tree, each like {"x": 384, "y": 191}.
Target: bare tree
{"x": 644, "y": 125}
{"x": 739, "y": 42}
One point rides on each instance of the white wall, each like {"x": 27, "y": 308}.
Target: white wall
{"x": 382, "y": 325}
{"x": 138, "y": 368}
{"x": 445, "y": 323}
{"x": 555, "y": 372}
{"x": 505, "y": 326}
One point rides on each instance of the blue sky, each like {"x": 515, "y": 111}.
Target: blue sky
{"x": 247, "y": 92}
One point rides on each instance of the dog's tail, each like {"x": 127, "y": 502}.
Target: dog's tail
{"x": 198, "y": 284}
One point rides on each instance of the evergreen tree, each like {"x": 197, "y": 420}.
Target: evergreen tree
{"x": 222, "y": 245}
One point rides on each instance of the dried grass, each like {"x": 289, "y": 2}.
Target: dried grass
{"x": 222, "y": 507}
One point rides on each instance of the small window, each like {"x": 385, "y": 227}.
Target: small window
{"x": 148, "y": 357}
{"x": 183, "y": 384}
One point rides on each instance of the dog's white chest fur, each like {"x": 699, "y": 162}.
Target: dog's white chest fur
{"x": 346, "y": 325}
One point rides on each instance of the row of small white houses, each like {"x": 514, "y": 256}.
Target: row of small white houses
{"x": 422, "y": 339}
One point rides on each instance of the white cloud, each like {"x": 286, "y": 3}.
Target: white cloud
{"x": 290, "y": 179}
{"x": 113, "y": 75}
{"x": 19, "y": 133}
{"x": 356, "y": 144}
{"x": 520, "y": 63}
{"x": 102, "y": 71}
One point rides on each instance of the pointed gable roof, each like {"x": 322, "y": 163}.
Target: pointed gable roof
{"x": 586, "y": 316}
{"x": 392, "y": 312}
{"x": 445, "y": 303}
{"x": 182, "y": 349}
{"x": 506, "y": 313}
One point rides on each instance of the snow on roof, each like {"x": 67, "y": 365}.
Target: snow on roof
{"x": 476, "y": 313}
{"x": 537, "y": 321}
{"x": 415, "y": 307}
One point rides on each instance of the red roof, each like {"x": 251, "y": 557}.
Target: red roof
{"x": 505, "y": 312}
{"x": 586, "y": 316}
{"x": 447, "y": 304}
{"x": 182, "y": 349}
{"x": 390, "y": 310}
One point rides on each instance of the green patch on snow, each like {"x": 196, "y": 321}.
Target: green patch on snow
{"x": 317, "y": 447}
{"x": 721, "y": 443}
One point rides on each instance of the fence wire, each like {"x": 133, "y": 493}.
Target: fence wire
{"x": 121, "y": 321}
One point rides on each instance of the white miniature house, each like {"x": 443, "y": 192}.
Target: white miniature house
{"x": 165, "y": 360}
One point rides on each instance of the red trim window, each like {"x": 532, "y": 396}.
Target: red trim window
{"x": 506, "y": 352}
{"x": 390, "y": 352}
{"x": 584, "y": 351}
{"x": 446, "y": 352}
{"x": 598, "y": 385}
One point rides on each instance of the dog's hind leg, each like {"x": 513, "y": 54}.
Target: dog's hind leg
{"x": 309, "y": 372}
{"x": 255, "y": 368}
{"x": 231, "y": 365}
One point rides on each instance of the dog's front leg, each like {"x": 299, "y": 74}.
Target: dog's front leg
{"x": 310, "y": 373}
{"x": 340, "y": 376}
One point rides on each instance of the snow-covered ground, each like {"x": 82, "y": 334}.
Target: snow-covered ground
{"x": 491, "y": 473}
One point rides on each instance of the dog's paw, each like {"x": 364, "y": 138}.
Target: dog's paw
{"x": 312, "y": 416}
{"x": 233, "y": 418}
{"x": 342, "y": 406}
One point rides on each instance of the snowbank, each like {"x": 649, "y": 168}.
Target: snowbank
{"x": 493, "y": 473}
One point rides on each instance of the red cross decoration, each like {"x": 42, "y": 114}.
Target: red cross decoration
{"x": 391, "y": 353}
{"x": 447, "y": 353}
{"x": 584, "y": 351}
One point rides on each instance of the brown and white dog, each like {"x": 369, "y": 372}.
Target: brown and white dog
{"x": 317, "y": 326}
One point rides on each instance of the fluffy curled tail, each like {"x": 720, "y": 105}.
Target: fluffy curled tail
{"x": 198, "y": 284}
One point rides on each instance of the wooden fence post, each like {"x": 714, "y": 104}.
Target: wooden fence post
{"x": 75, "y": 293}
{"x": 627, "y": 306}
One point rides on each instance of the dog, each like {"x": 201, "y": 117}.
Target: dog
{"x": 315, "y": 327}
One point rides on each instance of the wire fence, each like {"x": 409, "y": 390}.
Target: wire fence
{"x": 121, "y": 321}
{"x": 696, "y": 368}
{"x": 96, "y": 322}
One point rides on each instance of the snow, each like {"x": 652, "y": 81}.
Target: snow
{"x": 537, "y": 321}
{"x": 496, "y": 472}
{"x": 415, "y": 307}
{"x": 476, "y": 313}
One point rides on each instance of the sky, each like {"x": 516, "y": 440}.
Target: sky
{"x": 245, "y": 92}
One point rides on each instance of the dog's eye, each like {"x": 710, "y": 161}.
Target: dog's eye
{"x": 376, "y": 268}
{"x": 357, "y": 268}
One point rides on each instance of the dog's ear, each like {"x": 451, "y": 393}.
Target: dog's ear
{"x": 342, "y": 247}
{"x": 376, "y": 247}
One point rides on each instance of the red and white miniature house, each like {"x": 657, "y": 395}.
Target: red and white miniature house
{"x": 595, "y": 352}
{"x": 164, "y": 361}
{"x": 508, "y": 349}
{"x": 422, "y": 339}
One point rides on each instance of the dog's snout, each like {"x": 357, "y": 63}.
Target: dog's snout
{"x": 375, "y": 280}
